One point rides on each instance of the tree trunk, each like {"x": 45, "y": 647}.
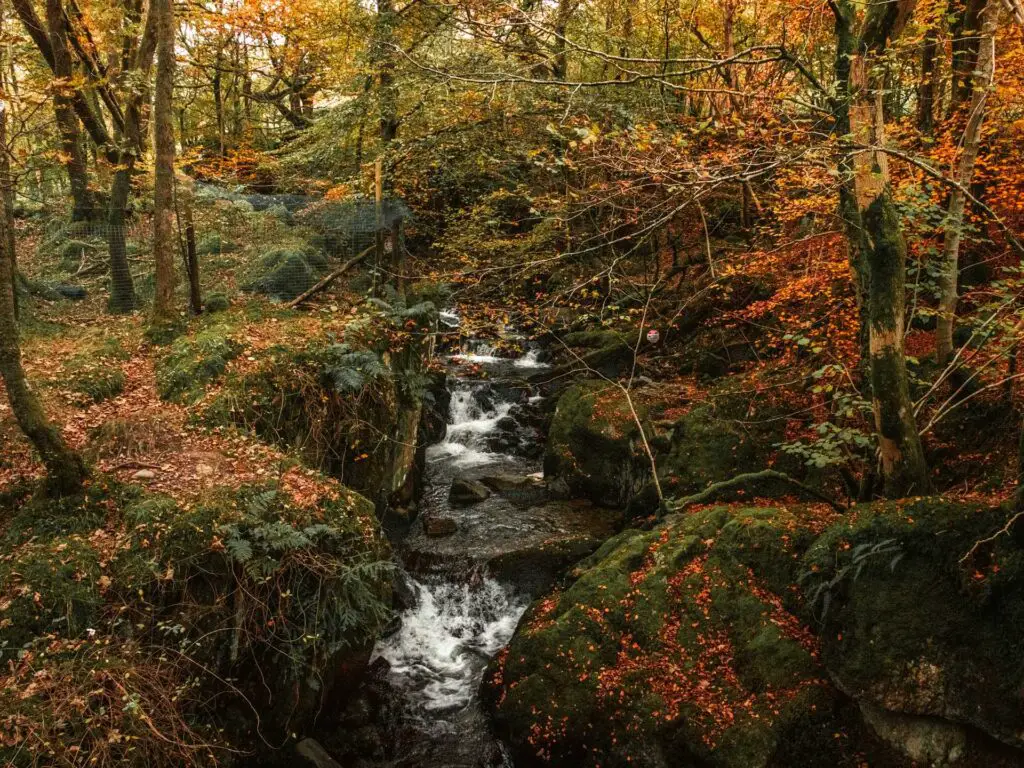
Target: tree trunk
{"x": 185, "y": 202}
{"x": 904, "y": 471}
{"x": 72, "y": 150}
{"x": 65, "y": 470}
{"x": 926, "y": 85}
{"x": 964, "y": 48}
{"x": 849, "y": 212}
{"x": 163, "y": 190}
{"x": 66, "y": 120}
{"x": 950, "y": 265}
{"x": 122, "y": 288}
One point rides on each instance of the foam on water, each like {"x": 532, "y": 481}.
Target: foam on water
{"x": 439, "y": 655}
{"x": 530, "y": 360}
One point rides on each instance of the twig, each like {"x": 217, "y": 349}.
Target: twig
{"x": 1005, "y": 530}
{"x": 330, "y": 278}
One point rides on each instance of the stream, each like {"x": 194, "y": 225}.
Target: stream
{"x": 466, "y": 591}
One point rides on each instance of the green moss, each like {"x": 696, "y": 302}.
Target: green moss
{"x": 194, "y": 362}
{"x": 97, "y": 383}
{"x": 285, "y": 273}
{"x": 594, "y": 444}
{"x": 910, "y": 625}
{"x": 311, "y": 400}
{"x": 666, "y": 645}
{"x": 256, "y": 589}
{"x": 96, "y": 373}
{"x": 216, "y": 302}
{"x": 214, "y": 243}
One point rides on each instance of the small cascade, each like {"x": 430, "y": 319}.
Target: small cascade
{"x": 472, "y": 419}
{"x": 446, "y": 640}
{"x": 460, "y": 615}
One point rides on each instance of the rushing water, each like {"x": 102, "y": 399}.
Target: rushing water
{"x": 461, "y": 614}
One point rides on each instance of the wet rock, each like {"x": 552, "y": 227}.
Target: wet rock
{"x": 505, "y": 438}
{"x": 403, "y": 592}
{"x": 439, "y": 527}
{"x": 436, "y": 410}
{"x": 314, "y": 754}
{"x": 521, "y": 489}
{"x": 925, "y": 740}
{"x": 509, "y": 483}
{"x": 484, "y": 398}
{"x": 465, "y": 491}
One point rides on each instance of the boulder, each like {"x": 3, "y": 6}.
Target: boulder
{"x": 737, "y": 637}
{"x": 465, "y": 491}
{"x": 910, "y": 627}
{"x": 666, "y": 650}
{"x": 594, "y": 445}
{"x": 439, "y": 527}
{"x": 521, "y": 489}
{"x": 285, "y": 273}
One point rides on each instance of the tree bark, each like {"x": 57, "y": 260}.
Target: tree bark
{"x": 926, "y": 85}
{"x": 965, "y": 30}
{"x": 163, "y": 190}
{"x": 72, "y": 150}
{"x": 950, "y": 264}
{"x": 65, "y": 470}
{"x": 122, "y": 288}
{"x": 901, "y": 454}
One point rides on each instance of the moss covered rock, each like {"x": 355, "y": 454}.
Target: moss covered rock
{"x": 672, "y": 645}
{"x": 733, "y": 637}
{"x": 594, "y": 445}
{"x": 285, "y": 273}
{"x": 911, "y": 626}
{"x": 193, "y": 362}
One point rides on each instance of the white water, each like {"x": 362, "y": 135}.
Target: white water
{"x": 460, "y": 620}
{"x": 466, "y": 441}
{"x": 531, "y": 360}
{"x": 438, "y": 655}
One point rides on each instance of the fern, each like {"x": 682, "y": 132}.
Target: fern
{"x": 822, "y": 592}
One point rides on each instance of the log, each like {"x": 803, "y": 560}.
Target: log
{"x": 330, "y": 278}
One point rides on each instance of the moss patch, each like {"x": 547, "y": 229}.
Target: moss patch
{"x": 258, "y": 586}
{"x": 594, "y": 444}
{"x": 667, "y": 645}
{"x": 194, "y": 362}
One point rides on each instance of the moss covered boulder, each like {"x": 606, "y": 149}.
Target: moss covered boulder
{"x": 889, "y": 636}
{"x": 285, "y": 273}
{"x": 673, "y": 646}
{"x": 919, "y": 619}
{"x": 594, "y": 445}
{"x": 194, "y": 362}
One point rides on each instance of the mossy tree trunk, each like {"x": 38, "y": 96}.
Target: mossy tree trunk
{"x": 849, "y": 212}
{"x": 881, "y": 243}
{"x": 72, "y": 150}
{"x": 65, "y": 470}
{"x": 949, "y": 274}
{"x": 163, "y": 190}
{"x": 135, "y": 81}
